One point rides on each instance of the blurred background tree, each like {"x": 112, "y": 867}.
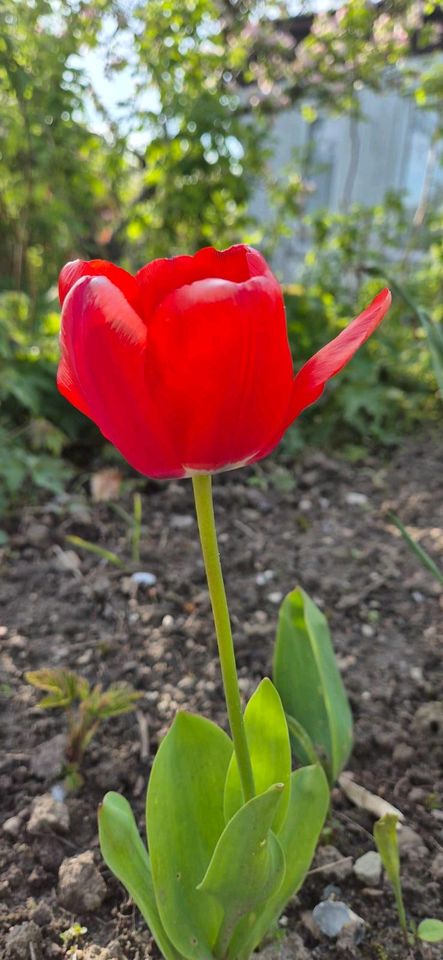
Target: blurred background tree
{"x": 135, "y": 130}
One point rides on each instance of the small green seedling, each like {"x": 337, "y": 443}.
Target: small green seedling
{"x": 70, "y": 938}
{"x": 85, "y": 708}
{"x": 386, "y": 840}
{"x": 134, "y": 523}
{"x": 426, "y": 561}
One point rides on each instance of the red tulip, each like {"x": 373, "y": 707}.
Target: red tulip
{"x": 186, "y": 367}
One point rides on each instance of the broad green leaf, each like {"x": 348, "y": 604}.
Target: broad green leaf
{"x": 125, "y": 854}
{"x": 308, "y": 807}
{"x": 270, "y": 752}
{"x": 248, "y": 864}
{"x": 185, "y": 819}
{"x": 309, "y": 682}
{"x": 386, "y": 841}
{"x": 430, "y": 930}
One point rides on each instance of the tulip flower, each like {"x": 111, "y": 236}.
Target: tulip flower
{"x": 186, "y": 367}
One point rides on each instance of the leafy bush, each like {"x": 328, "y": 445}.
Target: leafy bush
{"x": 390, "y": 385}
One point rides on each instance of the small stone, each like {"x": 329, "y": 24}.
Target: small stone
{"x": 49, "y": 851}
{"x": 48, "y": 814}
{"x": 115, "y": 951}
{"x": 12, "y": 827}
{"x": 368, "y": 868}
{"x": 437, "y": 866}
{"x": 58, "y": 792}
{"x": 144, "y": 578}
{"x": 41, "y": 914}
{"x": 66, "y": 561}
{"x": 49, "y": 758}
{"x": 428, "y": 719}
{"x": 37, "y": 534}
{"x": 331, "y": 892}
{"x": 101, "y": 587}
{"x": 331, "y": 916}
{"x": 355, "y": 499}
{"x": 410, "y": 844}
{"x": 24, "y": 941}
{"x": 264, "y": 577}
{"x": 275, "y": 597}
{"x": 403, "y": 753}
{"x": 15, "y": 877}
{"x": 351, "y": 935}
{"x": 287, "y": 948}
{"x": 417, "y": 795}
{"x": 94, "y": 952}
{"x": 81, "y": 887}
{"x": 181, "y": 521}
{"x": 334, "y": 865}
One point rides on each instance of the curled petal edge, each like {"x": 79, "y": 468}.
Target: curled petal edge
{"x": 310, "y": 381}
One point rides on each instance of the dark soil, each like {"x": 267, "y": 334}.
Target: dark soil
{"x": 308, "y": 527}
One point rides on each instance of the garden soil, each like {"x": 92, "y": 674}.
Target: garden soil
{"x": 324, "y": 525}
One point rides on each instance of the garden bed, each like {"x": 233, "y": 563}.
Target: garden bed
{"x": 326, "y": 528}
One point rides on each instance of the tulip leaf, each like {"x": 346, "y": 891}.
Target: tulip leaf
{"x": 299, "y": 736}
{"x": 184, "y": 817}
{"x": 308, "y": 807}
{"x": 269, "y": 749}
{"x": 309, "y": 682}
{"x": 126, "y": 855}
{"x": 430, "y": 930}
{"x": 248, "y": 864}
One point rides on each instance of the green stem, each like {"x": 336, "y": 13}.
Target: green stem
{"x": 208, "y": 536}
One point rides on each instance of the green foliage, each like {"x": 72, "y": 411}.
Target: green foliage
{"x": 269, "y": 750}
{"x": 248, "y": 864}
{"x": 390, "y": 384}
{"x": 386, "y": 840}
{"x": 298, "y": 838}
{"x": 310, "y": 686}
{"x": 385, "y": 836}
{"x": 426, "y": 561}
{"x": 184, "y": 818}
{"x": 70, "y": 938}
{"x": 85, "y": 706}
{"x": 430, "y": 930}
{"x": 175, "y": 168}
{"x": 209, "y": 888}
{"x": 107, "y": 555}
{"x": 126, "y": 855}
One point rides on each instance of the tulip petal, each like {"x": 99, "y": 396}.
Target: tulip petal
{"x": 310, "y": 381}
{"x": 76, "y": 269}
{"x": 102, "y": 371}
{"x": 219, "y": 358}
{"x": 161, "y": 277}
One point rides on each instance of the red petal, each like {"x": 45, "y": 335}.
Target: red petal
{"x": 125, "y": 282}
{"x": 161, "y": 277}
{"x": 102, "y": 372}
{"x": 219, "y": 356}
{"x": 311, "y": 379}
